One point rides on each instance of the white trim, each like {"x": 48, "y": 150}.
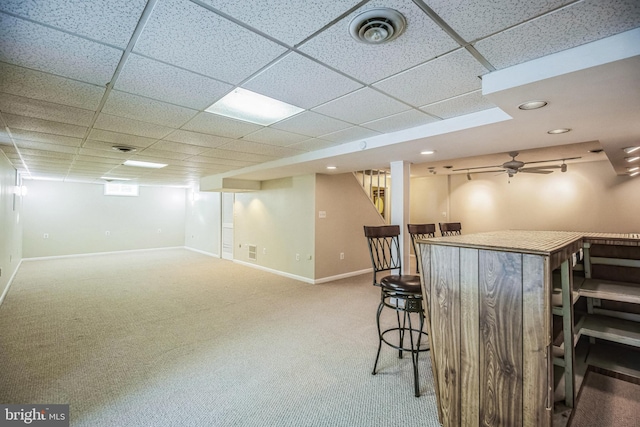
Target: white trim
{"x": 102, "y": 253}
{"x": 343, "y": 276}
{"x": 202, "y": 252}
{"x": 6, "y": 289}
{"x": 278, "y": 272}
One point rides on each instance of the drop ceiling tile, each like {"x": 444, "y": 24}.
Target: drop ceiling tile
{"x": 22, "y": 106}
{"x": 178, "y": 147}
{"x": 147, "y": 110}
{"x": 182, "y": 33}
{"x": 235, "y": 155}
{"x": 227, "y": 163}
{"x": 421, "y": 41}
{"x": 581, "y": 22}
{"x": 41, "y": 48}
{"x": 476, "y": 19}
{"x": 445, "y": 77}
{"x": 110, "y": 139}
{"x": 300, "y": 81}
{"x": 110, "y": 21}
{"x": 363, "y": 105}
{"x": 29, "y": 153}
{"x": 264, "y": 149}
{"x": 47, "y": 87}
{"x": 153, "y": 79}
{"x": 274, "y": 137}
{"x": 311, "y": 124}
{"x": 313, "y": 144}
{"x": 351, "y": 134}
{"x": 105, "y": 156}
{"x": 131, "y": 127}
{"x": 404, "y": 120}
{"x": 28, "y": 135}
{"x": 288, "y": 20}
{"x": 44, "y": 146}
{"x": 215, "y": 124}
{"x": 459, "y": 106}
{"x": 196, "y": 138}
{"x": 44, "y": 126}
{"x": 162, "y": 154}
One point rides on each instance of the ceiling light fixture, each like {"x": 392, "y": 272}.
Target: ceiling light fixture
{"x": 632, "y": 159}
{"x": 630, "y": 150}
{"x": 532, "y": 105}
{"x": 110, "y": 178}
{"x": 376, "y": 26}
{"x": 140, "y": 164}
{"x": 634, "y": 173}
{"x": 331, "y": 167}
{"x": 633, "y": 169}
{"x": 558, "y": 131}
{"x": 248, "y": 106}
{"x": 427, "y": 152}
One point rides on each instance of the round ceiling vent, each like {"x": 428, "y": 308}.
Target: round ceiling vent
{"x": 124, "y": 148}
{"x": 376, "y": 26}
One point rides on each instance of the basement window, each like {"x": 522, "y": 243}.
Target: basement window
{"x": 118, "y": 189}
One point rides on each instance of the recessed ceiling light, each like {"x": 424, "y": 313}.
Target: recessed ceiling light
{"x": 427, "y": 152}
{"x": 596, "y": 150}
{"x": 144, "y": 164}
{"x": 630, "y": 150}
{"x": 248, "y": 106}
{"x": 632, "y": 159}
{"x": 558, "y": 131}
{"x": 532, "y": 105}
{"x": 110, "y": 178}
{"x": 331, "y": 167}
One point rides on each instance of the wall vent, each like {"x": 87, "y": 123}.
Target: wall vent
{"x": 253, "y": 252}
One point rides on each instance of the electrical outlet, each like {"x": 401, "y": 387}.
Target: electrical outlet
{"x": 297, "y": 257}
{"x": 341, "y": 255}
{"x": 264, "y": 251}
{"x": 46, "y": 236}
{"x": 159, "y": 230}
{"x": 309, "y": 257}
{"x": 107, "y": 233}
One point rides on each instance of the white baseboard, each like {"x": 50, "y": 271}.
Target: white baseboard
{"x": 302, "y": 278}
{"x": 102, "y": 253}
{"x": 202, "y": 252}
{"x": 343, "y": 276}
{"x": 6, "y": 289}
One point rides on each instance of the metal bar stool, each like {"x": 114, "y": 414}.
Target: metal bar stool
{"x": 420, "y": 231}
{"x": 402, "y": 293}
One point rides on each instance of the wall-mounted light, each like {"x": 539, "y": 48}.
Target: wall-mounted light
{"x": 632, "y": 159}
{"x": 633, "y": 169}
{"x": 630, "y": 150}
{"x": 634, "y": 173}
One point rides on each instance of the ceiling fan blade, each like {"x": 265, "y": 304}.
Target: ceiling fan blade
{"x": 554, "y": 160}
{"x": 477, "y": 167}
{"x": 532, "y": 170}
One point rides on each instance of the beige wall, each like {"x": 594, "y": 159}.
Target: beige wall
{"x": 202, "y": 222}
{"x": 10, "y": 224}
{"x": 279, "y": 220}
{"x": 347, "y": 209}
{"x": 77, "y": 216}
{"x": 588, "y": 197}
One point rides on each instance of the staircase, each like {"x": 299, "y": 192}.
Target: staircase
{"x": 375, "y": 183}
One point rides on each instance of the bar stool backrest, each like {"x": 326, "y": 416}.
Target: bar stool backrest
{"x": 450, "y": 228}
{"x": 384, "y": 248}
{"x": 420, "y": 231}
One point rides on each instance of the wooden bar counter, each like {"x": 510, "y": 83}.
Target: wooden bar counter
{"x": 488, "y": 298}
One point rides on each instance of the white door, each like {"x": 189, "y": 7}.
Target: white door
{"x": 227, "y": 225}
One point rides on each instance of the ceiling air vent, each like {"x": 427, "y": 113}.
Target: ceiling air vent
{"x": 376, "y": 26}
{"x": 124, "y": 148}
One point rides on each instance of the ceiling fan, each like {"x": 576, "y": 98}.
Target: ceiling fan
{"x": 514, "y": 166}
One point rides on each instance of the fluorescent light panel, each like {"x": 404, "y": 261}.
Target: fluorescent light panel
{"x": 140, "y": 164}
{"x": 242, "y": 104}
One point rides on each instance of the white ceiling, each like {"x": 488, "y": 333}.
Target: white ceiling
{"x": 78, "y": 77}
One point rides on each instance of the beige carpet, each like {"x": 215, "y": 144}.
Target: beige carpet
{"x": 605, "y": 401}
{"x": 176, "y": 338}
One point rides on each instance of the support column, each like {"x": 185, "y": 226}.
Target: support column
{"x": 400, "y": 177}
